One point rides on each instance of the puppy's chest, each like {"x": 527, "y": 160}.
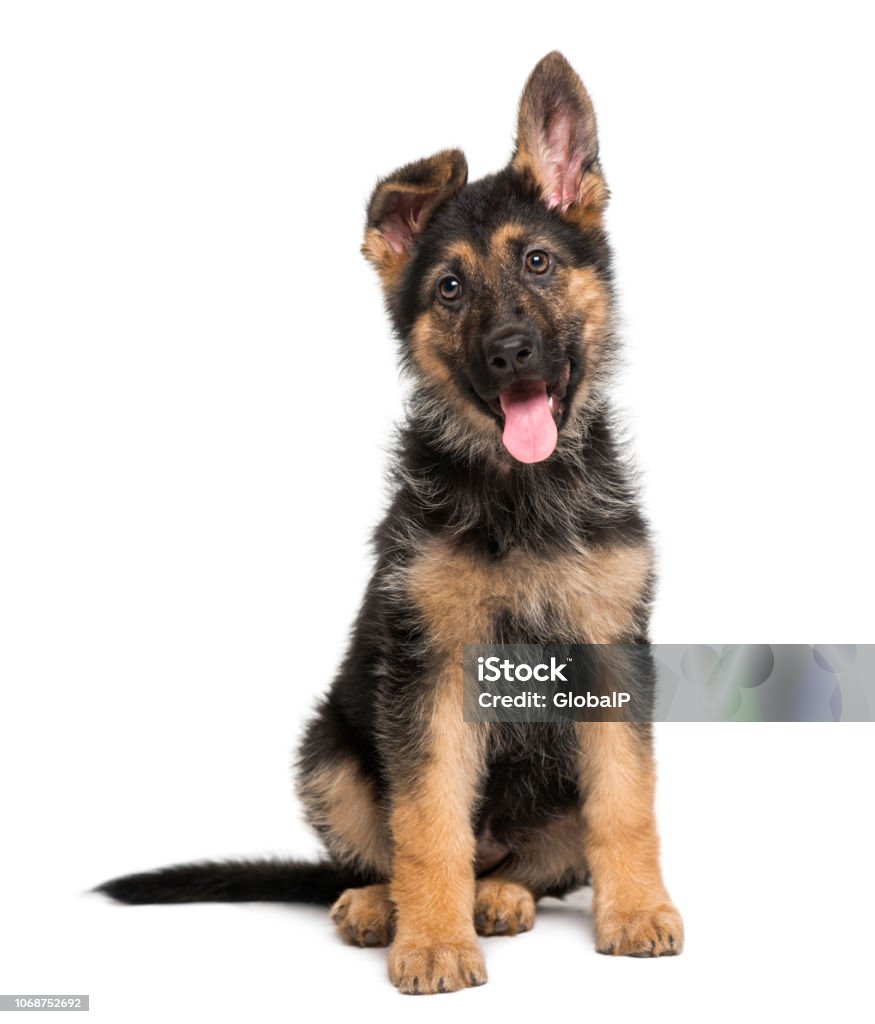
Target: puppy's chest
{"x": 593, "y": 596}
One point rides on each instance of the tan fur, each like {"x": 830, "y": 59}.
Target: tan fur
{"x": 390, "y": 264}
{"x": 430, "y": 346}
{"x": 501, "y": 246}
{"x": 503, "y": 907}
{"x": 433, "y": 870}
{"x": 504, "y": 235}
{"x": 342, "y": 803}
{"x": 427, "y": 342}
{"x": 465, "y": 253}
{"x": 586, "y": 293}
{"x": 442, "y": 967}
{"x": 594, "y": 196}
{"x": 365, "y": 916}
{"x": 592, "y": 595}
{"x": 633, "y": 913}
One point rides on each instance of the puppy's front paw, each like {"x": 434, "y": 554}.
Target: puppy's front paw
{"x": 417, "y": 969}
{"x": 653, "y": 931}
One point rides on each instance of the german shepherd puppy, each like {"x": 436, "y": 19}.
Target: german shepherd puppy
{"x": 513, "y": 520}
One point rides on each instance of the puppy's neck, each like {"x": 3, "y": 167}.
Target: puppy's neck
{"x": 486, "y": 498}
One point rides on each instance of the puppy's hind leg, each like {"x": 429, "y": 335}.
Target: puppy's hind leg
{"x": 342, "y": 805}
{"x": 547, "y": 862}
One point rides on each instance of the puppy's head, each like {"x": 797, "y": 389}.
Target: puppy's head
{"x": 500, "y": 289}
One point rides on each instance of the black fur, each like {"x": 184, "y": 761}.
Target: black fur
{"x": 239, "y": 881}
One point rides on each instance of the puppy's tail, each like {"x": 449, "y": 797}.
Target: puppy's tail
{"x": 240, "y": 881}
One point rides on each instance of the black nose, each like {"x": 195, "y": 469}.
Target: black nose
{"x": 510, "y": 353}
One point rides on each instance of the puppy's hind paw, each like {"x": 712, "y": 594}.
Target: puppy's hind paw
{"x": 503, "y": 908}
{"x": 366, "y": 916}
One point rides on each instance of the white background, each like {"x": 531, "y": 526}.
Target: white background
{"x": 196, "y": 397}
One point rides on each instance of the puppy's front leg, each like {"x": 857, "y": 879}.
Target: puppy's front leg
{"x": 433, "y": 884}
{"x": 633, "y": 913}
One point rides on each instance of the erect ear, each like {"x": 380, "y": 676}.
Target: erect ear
{"x": 403, "y": 203}
{"x": 557, "y": 143}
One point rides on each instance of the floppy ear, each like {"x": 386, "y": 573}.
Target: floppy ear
{"x": 557, "y": 144}
{"x": 403, "y": 203}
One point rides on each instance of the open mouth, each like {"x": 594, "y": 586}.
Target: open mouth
{"x": 532, "y": 411}
{"x": 555, "y": 394}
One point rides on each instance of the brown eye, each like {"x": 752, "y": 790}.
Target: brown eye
{"x": 449, "y": 288}
{"x": 537, "y": 261}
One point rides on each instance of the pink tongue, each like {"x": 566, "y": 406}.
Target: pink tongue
{"x": 529, "y": 428}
